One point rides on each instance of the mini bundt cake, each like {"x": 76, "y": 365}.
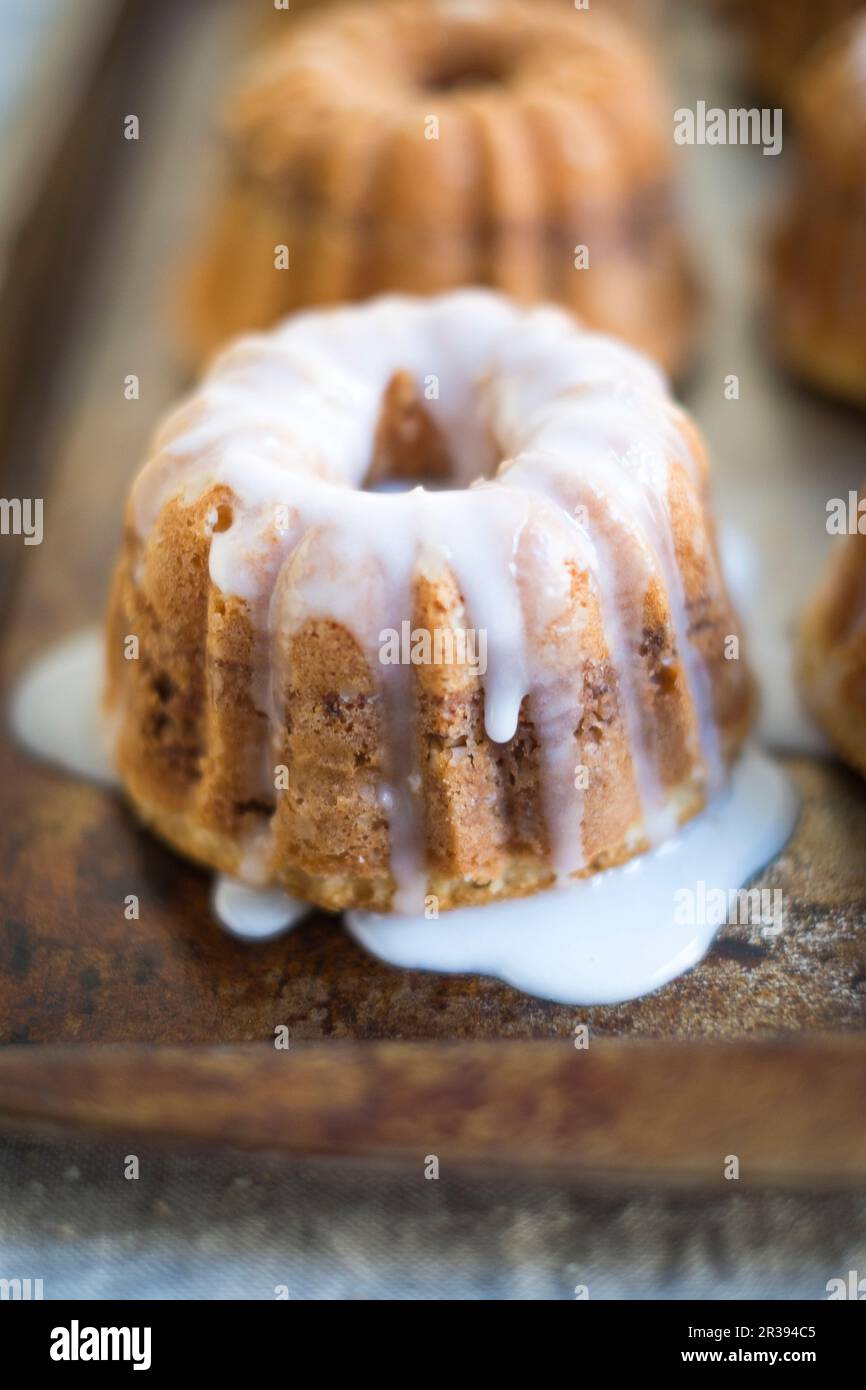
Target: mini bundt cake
{"x": 472, "y": 689}
{"x": 832, "y": 650}
{"x": 272, "y": 18}
{"x": 419, "y": 147}
{"x": 819, "y": 271}
{"x": 781, "y": 34}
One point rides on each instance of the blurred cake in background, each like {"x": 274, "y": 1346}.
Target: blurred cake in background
{"x": 271, "y": 14}
{"x": 780, "y": 34}
{"x": 819, "y": 268}
{"x": 832, "y": 657}
{"x": 419, "y": 146}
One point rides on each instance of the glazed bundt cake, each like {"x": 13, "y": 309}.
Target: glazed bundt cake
{"x": 419, "y": 147}
{"x": 819, "y": 273}
{"x": 469, "y": 689}
{"x": 832, "y": 649}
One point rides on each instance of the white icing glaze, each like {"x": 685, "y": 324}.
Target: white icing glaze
{"x": 56, "y": 708}
{"x": 608, "y": 938}
{"x": 287, "y": 422}
{"x": 613, "y": 936}
{"x": 255, "y": 914}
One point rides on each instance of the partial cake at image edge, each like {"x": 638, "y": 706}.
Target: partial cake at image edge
{"x": 832, "y": 649}
{"x": 818, "y": 285}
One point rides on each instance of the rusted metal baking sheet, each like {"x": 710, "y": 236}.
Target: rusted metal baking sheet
{"x": 744, "y": 1055}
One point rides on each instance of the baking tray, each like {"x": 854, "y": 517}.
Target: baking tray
{"x": 165, "y": 1026}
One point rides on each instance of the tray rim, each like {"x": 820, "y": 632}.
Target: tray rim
{"x": 620, "y": 1112}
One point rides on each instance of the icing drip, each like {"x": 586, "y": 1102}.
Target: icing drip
{"x": 56, "y": 708}
{"x": 255, "y": 914}
{"x": 484, "y": 535}
{"x": 286, "y": 422}
{"x": 400, "y": 796}
{"x": 619, "y": 562}
{"x": 615, "y": 935}
{"x": 607, "y": 938}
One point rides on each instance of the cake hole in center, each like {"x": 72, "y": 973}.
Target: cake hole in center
{"x": 409, "y": 449}
{"x": 458, "y": 71}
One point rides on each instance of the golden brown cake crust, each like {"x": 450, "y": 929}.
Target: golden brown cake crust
{"x": 832, "y": 651}
{"x": 415, "y": 148}
{"x": 782, "y": 34}
{"x": 818, "y": 288}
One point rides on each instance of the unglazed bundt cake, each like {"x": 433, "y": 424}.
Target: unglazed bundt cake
{"x": 781, "y": 34}
{"x": 418, "y": 147}
{"x": 366, "y": 695}
{"x": 832, "y": 649}
{"x": 273, "y": 18}
{"x": 819, "y": 271}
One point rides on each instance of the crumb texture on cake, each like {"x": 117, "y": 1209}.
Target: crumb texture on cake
{"x": 582, "y": 699}
{"x": 417, "y": 148}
